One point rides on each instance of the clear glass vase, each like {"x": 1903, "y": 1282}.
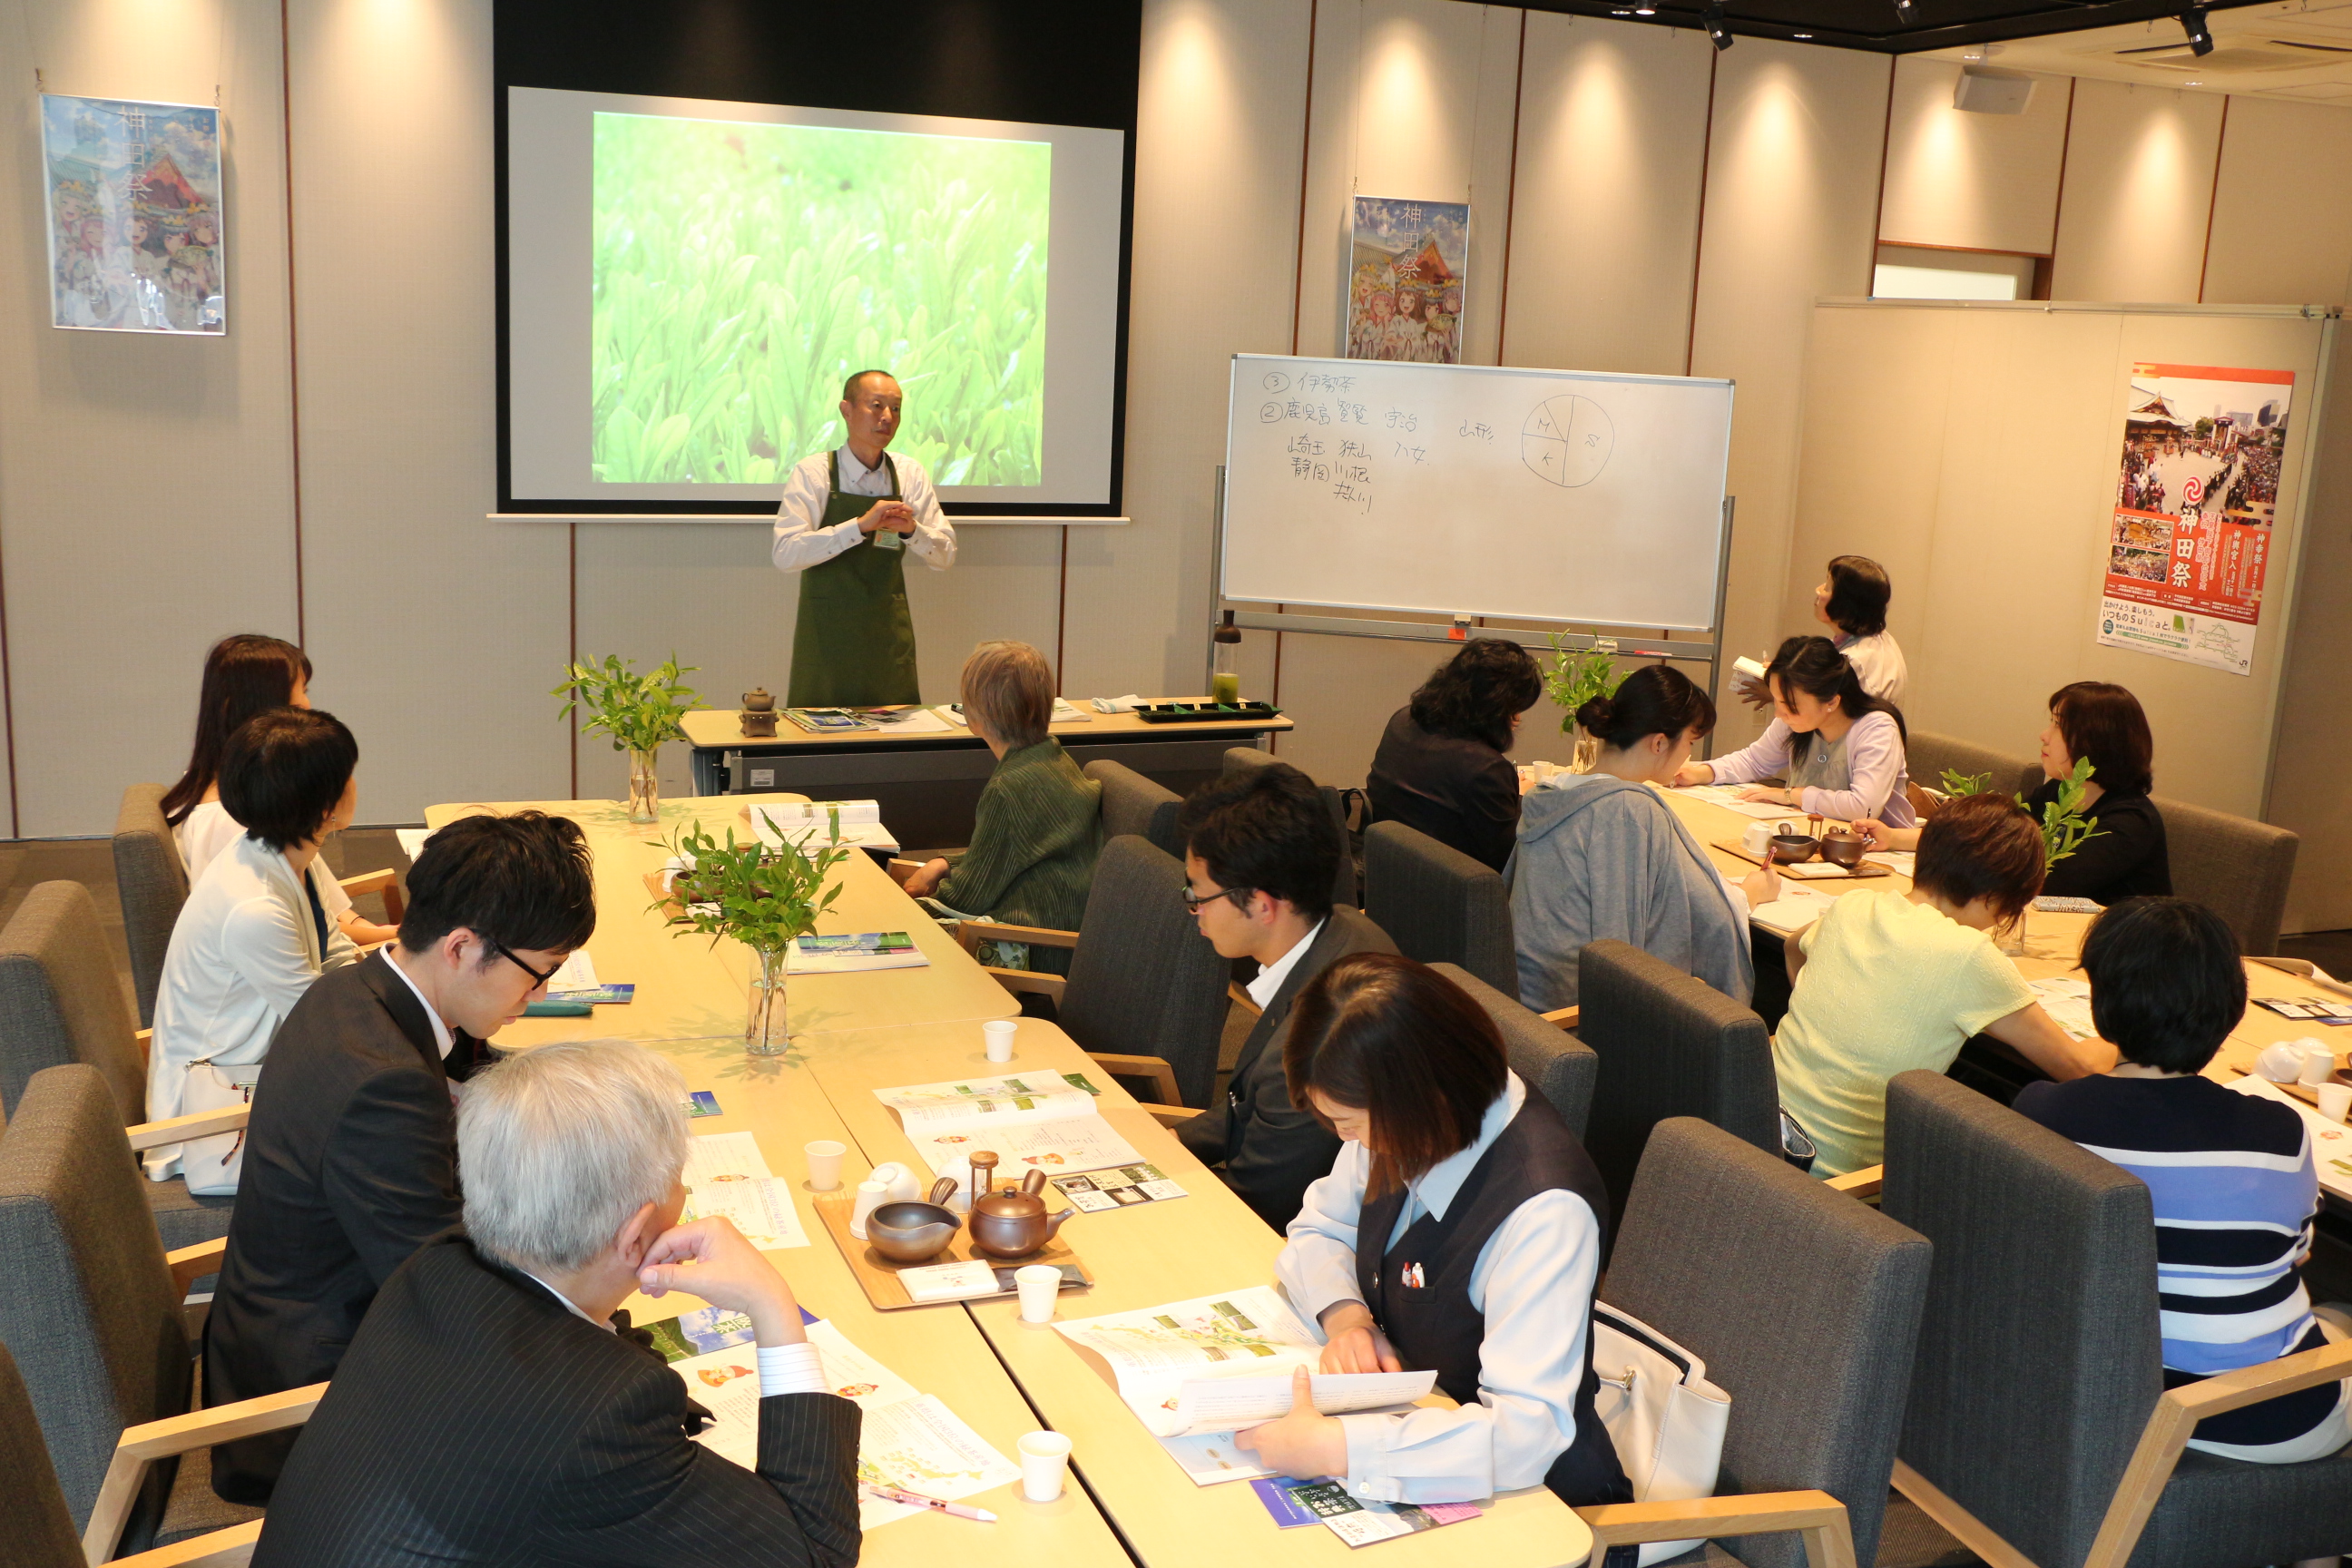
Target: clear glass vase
{"x": 765, "y": 1030}
{"x": 1588, "y": 752}
{"x": 2011, "y": 939}
{"x": 645, "y": 787}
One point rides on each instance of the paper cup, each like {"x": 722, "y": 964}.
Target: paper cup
{"x": 1043, "y": 1457}
{"x": 871, "y": 1195}
{"x": 1038, "y": 1283}
{"x": 824, "y": 1163}
{"x": 2318, "y": 1063}
{"x": 998, "y": 1033}
{"x": 2334, "y": 1101}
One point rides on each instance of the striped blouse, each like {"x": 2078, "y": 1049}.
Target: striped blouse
{"x": 2234, "y": 1191}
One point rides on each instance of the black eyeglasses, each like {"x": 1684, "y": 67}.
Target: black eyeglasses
{"x": 1240, "y": 896}
{"x": 537, "y": 978}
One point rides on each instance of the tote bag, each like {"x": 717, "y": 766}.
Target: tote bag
{"x": 211, "y": 1165}
{"x": 1664, "y": 1418}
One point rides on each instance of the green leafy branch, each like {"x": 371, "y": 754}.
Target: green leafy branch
{"x": 638, "y": 711}
{"x": 2064, "y": 826}
{"x": 1957, "y": 784}
{"x": 763, "y": 898}
{"x": 1577, "y": 677}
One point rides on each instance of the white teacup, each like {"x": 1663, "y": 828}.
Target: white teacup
{"x": 2281, "y": 1063}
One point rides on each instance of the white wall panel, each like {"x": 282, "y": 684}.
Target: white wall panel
{"x": 1971, "y": 182}
{"x": 2139, "y": 181}
{"x": 2282, "y": 227}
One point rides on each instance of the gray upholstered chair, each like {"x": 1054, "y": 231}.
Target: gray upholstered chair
{"x": 92, "y": 1316}
{"x": 1241, "y": 759}
{"x": 1928, "y": 754}
{"x": 153, "y": 882}
{"x": 1146, "y": 992}
{"x": 2038, "y": 1426}
{"x": 59, "y": 1001}
{"x": 1670, "y": 1045}
{"x": 1133, "y": 803}
{"x": 2237, "y": 868}
{"x": 1438, "y": 904}
{"x": 1552, "y": 1062}
{"x": 1805, "y": 1307}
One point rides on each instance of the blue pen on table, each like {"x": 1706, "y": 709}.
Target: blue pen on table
{"x": 917, "y": 1499}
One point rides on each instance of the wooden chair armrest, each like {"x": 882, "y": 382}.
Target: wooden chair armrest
{"x": 970, "y": 932}
{"x": 140, "y": 1446}
{"x": 1248, "y": 1003}
{"x": 387, "y": 882}
{"x": 145, "y": 1039}
{"x": 1867, "y": 1183}
{"x": 2252, "y": 1384}
{"x": 1566, "y": 1018}
{"x": 1173, "y": 1116}
{"x": 180, "y": 1128}
{"x": 1156, "y": 1069}
{"x": 1828, "y": 1535}
{"x": 190, "y": 1264}
{"x": 230, "y": 1547}
{"x": 1020, "y": 980}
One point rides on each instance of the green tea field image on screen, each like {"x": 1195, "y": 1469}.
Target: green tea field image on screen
{"x": 742, "y": 270}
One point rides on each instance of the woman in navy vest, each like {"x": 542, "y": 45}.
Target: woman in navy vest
{"x": 1460, "y": 1230}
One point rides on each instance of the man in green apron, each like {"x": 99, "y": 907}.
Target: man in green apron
{"x": 848, "y": 521}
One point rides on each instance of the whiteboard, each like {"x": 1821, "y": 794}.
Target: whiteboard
{"x": 1471, "y": 490}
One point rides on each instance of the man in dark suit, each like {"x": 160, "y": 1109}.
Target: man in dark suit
{"x": 488, "y": 1411}
{"x": 350, "y": 1150}
{"x": 1261, "y": 853}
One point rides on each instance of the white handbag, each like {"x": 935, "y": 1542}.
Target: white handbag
{"x": 211, "y": 1165}
{"x": 1664, "y": 1418}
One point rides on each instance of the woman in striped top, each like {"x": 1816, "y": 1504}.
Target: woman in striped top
{"x": 2231, "y": 1175}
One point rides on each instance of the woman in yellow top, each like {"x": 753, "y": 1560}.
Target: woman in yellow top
{"x": 1887, "y": 982}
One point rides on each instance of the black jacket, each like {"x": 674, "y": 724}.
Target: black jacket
{"x": 2126, "y": 859}
{"x": 351, "y": 1164}
{"x": 1273, "y": 1151}
{"x": 1463, "y": 794}
{"x": 477, "y": 1419}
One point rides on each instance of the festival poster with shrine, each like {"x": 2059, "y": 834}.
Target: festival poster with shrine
{"x": 134, "y": 209}
{"x": 1406, "y": 274}
{"x": 2196, "y": 500}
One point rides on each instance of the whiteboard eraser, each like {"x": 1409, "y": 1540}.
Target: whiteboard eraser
{"x": 1748, "y": 667}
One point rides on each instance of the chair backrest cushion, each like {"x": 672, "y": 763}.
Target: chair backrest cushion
{"x": 1670, "y": 1045}
{"x": 1438, "y": 904}
{"x": 1240, "y": 759}
{"x": 41, "y": 1532}
{"x": 1551, "y": 1060}
{"x": 1803, "y": 1303}
{"x": 1133, "y": 803}
{"x": 153, "y": 882}
{"x": 1144, "y": 981}
{"x": 1928, "y": 754}
{"x": 2038, "y": 1356}
{"x": 60, "y": 1001}
{"x": 2237, "y": 868}
{"x": 88, "y": 1309}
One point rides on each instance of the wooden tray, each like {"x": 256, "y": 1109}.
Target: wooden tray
{"x": 878, "y": 1277}
{"x": 1867, "y": 869}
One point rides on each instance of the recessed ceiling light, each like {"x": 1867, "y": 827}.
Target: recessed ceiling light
{"x": 1801, "y": 35}
{"x": 2194, "y": 84}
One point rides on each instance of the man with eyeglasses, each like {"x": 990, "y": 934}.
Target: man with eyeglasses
{"x": 351, "y": 1159}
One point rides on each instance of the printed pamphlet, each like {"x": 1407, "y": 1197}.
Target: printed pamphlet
{"x": 808, "y": 826}
{"x": 1043, "y": 1122}
{"x": 1124, "y": 1187}
{"x": 1360, "y": 1523}
{"x": 726, "y": 1175}
{"x": 854, "y": 953}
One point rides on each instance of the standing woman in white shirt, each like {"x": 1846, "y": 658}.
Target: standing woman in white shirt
{"x": 1851, "y": 600}
{"x": 1459, "y": 1231}
{"x": 254, "y": 934}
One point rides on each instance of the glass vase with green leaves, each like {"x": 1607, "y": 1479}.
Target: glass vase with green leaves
{"x": 1577, "y": 676}
{"x": 638, "y": 711}
{"x": 762, "y": 897}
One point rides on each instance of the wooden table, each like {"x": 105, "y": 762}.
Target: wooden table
{"x": 1002, "y": 1376}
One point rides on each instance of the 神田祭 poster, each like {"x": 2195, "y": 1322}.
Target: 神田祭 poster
{"x": 2190, "y": 540}
{"x": 1405, "y": 279}
{"x": 134, "y": 198}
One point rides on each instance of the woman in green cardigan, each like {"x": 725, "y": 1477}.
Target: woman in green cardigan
{"x": 1038, "y": 825}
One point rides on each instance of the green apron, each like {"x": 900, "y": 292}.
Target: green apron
{"x": 854, "y": 643}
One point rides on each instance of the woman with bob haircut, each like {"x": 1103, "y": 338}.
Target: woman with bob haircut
{"x": 1839, "y": 748}
{"x": 1038, "y": 825}
{"x": 2230, "y": 1176}
{"x": 1852, "y": 600}
{"x": 255, "y": 931}
{"x": 1460, "y": 1231}
{"x": 1884, "y": 982}
{"x": 1442, "y": 766}
{"x": 1602, "y": 855}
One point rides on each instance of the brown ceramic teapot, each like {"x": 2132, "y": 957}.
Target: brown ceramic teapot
{"x": 759, "y": 713}
{"x": 1008, "y": 1222}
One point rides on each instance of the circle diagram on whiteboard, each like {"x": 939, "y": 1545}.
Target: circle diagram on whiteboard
{"x": 1567, "y": 440}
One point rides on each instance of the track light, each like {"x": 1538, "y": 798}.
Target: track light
{"x": 1646, "y": 9}
{"x": 2200, "y": 36}
{"x": 1717, "y": 33}
{"x": 1903, "y": 13}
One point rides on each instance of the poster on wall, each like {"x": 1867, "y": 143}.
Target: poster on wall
{"x": 1406, "y": 274}
{"x": 2196, "y": 499}
{"x": 134, "y": 207}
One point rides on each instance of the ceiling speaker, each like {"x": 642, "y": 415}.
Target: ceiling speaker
{"x": 1985, "y": 90}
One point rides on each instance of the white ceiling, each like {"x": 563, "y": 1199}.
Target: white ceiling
{"x": 2300, "y": 50}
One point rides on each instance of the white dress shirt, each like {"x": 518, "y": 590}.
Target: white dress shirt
{"x": 800, "y": 543}
{"x": 243, "y": 950}
{"x": 209, "y": 829}
{"x": 784, "y": 1369}
{"x": 441, "y": 1038}
{"x": 1270, "y": 978}
{"x": 1878, "y": 662}
{"x": 1533, "y": 1282}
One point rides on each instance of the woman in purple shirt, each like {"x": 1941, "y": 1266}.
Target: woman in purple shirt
{"x": 1839, "y": 748}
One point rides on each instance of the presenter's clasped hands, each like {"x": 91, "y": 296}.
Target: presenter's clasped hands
{"x": 709, "y": 1258}
{"x": 894, "y": 515}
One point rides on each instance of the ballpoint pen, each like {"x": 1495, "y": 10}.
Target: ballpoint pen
{"x": 917, "y": 1499}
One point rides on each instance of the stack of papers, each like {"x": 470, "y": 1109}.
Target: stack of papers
{"x": 726, "y": 1176}
{"x": 1351, "y": 1519}
{"x": 2068, "y": 1003}
{"x": 1041, "y": 1121}
{"x": 1196, "y": 1372}
{"x": 808, "y": 826}
{"x": 1727, "y": 797}
{"x": 853, "y": 954}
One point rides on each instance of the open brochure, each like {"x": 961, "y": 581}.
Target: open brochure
{"x": 807, "y": 825}
{"x": 1207, "y": 1366}
{"x": 1043, "y": 1122}
{"x": 908, "y": 1440}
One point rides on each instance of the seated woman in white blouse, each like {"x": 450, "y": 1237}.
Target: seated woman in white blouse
{"x": 254, "y": 934}
{"x": 1459, "y": 1231}
{"x": 244, "y": 674}
{"x": 1839, "y": 748}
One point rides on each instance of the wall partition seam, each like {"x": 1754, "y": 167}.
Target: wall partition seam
{"x": 293, "y": 319}
{"x": 2214, "y": 200}
{"x": 1511, "y": 198}
{"x": 1698, "y": 224}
